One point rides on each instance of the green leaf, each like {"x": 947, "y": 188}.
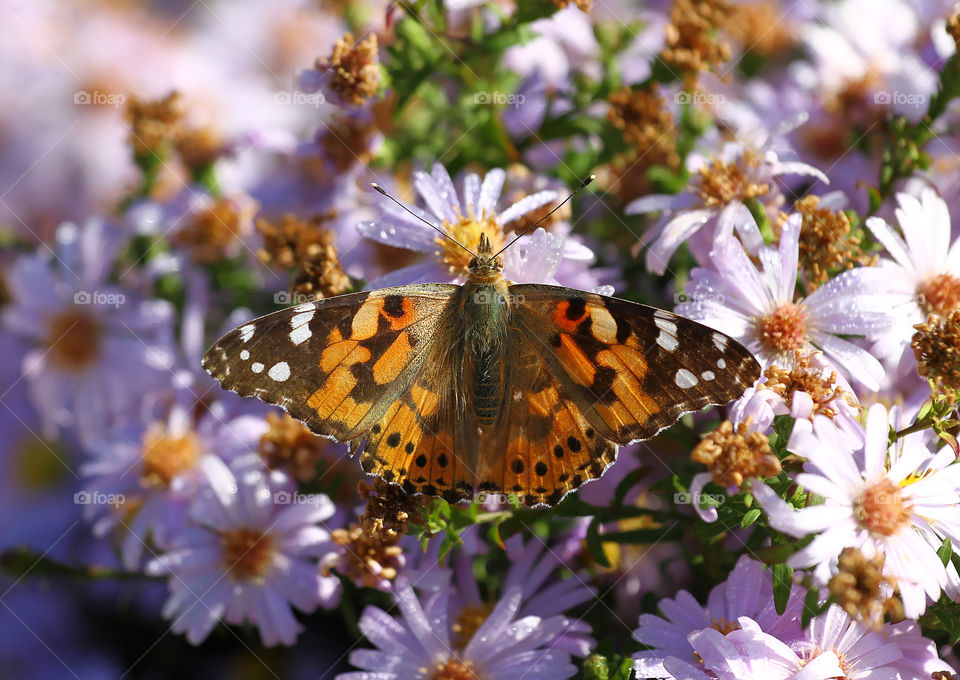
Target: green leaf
{"x": 750, "y": 517}
{"x": 945, "y": 551}
{"x": 782, "y": 584}
{"x": 595, "y": 542}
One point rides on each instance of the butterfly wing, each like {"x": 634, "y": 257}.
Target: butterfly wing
{"x": 632, "y": 369}
{"x": 339, "y": 365}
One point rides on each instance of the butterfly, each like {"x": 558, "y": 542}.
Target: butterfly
{"x": 486, "y": 387}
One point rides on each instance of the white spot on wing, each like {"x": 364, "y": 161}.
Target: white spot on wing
{"x": 685, "y": 379}
{"x": 668, "y": 331}
{"x": 720, "y": 341}
{"x": 257, "y": 367}
{"x": 280, "y": 371}
{"x": 300, "y": 334}
{"x": 668, "y": 342}
{"x": 244, "y": 354}
{"x": 708, "y": 375}
{"x": 301, "y": 318}
{"x": 246, "y": 332}
{"x": 304, "y": 307}
{"x": 721, "y": 364}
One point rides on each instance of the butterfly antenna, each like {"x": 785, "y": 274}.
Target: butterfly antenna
{"x": 583, "y": 185}
{"x": 429, "y": 224}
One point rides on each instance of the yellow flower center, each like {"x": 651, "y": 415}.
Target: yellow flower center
{"x": 467, "y": 621}
{"x": 454, "y": 669}
{"x": 940, "y": 294}
{"x": 882, "y": 509}
{"x": 467, "y": 231}
{"x": 719, "y": 183}
{"x": 784, "y": 329}
{"x": 167, "y": 455}
{"x": 246, "y": 553}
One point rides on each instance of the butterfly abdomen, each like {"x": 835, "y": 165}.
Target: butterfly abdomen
{"x": 485, "y": 310}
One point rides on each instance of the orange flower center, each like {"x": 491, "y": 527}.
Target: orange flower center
{"x": 784, "y": 329}
{"x": 467, "y": 231}
{"x": 454, "y": 669}
{"x": 74, "y": 340}
{"x": 940, "y": 294}
{"x": 467, "y": 621}
{"x": 165, "y": 456}
{"x": 246, "y": 553}
{"x": 882, "y": 509}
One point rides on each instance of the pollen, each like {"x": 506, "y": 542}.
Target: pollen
{"x": 247, "y": 553}
{"x": 355, "y": 66}
{"x": 388, "y": 508}
{"x": 454, "y": 669}
{"x": 467, "y": 621}
{"x": 784, "y": 329}
{"x": 73, "y": 340}
{"x": 734, "y": 455}
{"x": 166, "y": 455}
{"x": 936, "y": 345}
{"x": 882, "y": 509}
{"x": 368, "y": 559}
{"x": 466, "y": 230}
{"x": 940, "y": 294}
{"x": 209, "y": 233}
{"x": 719, "y": 183}
{"x": 290, "y": 446}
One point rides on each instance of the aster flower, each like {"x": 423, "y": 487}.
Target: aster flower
{"x": 532, "y": 568}
{"x": 248, "y": 556}
{"x": 534, "y": 260}
{"x": 897, "y": 502}
{"x": 156, "y": 469}
{"x": 720, "y": 188}
{"x": 759, "y": 307}
{"x": 924, "y": 275}
{"x": 747, "y": 592}
{"x": 420, "y": 646}
{"x": 97, "y": 348}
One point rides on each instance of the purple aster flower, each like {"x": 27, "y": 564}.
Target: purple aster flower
{"x": 533, "y": 568}
{"x": 924, "y": 275}
{"x": 898, "y": 502}
{"x": 154, "y": 471}
{"x": 247, "y": 556}
{"x": 720, "y": 187}
{"x": 759, "y": 307}
{"x": 97, "y": 348}
{"x": 534, "y": 260}
{"x": 747, "y": 592}
{"x": 423, "y": 645}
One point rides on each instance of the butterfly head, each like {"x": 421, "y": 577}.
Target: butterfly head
{"x": 485, "y": 264}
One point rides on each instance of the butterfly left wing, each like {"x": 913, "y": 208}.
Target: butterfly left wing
{"x": 631, "y": 369}
{"x": 339, "y": 365}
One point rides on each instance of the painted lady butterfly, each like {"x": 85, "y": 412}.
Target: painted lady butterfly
{"x": 448, "y": 389}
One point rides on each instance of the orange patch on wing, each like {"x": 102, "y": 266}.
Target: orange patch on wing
{"x": 627, "y": 388}
{"x": 427, "y": 402}
{"x": 344, "y": 353}
{"x": 561, "y": 320}
{"x": 542, "y": 403}
{"x": 391, "y": 362}
{"x": 365, "y": 321}
{"x": 335, "y": 389}
{"x": 603, "y": 325}
{"x": 575, "y": 362}
{"x": 406, "y": 317}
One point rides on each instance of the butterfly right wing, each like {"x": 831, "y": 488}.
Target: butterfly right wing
{"x": 338, "y": 365}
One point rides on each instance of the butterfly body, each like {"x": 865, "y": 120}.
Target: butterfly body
{"x": 452, "y": 389}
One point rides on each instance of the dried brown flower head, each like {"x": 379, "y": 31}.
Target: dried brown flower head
{"x": 693, "y": 42}
{"x": 289, "y": 445}
{"x": 308, "y": 249}
{"x": 761, "y": 27}
{"x": 862, "y": 590}
{"x": 354, "y": 68}
{"x": 936, "y": 345}
{"x": 806, "y": 376}
{"x": 734, "y": 455}
{"x": 210, "y": 233}
{"x": 582, "y": 5}
{"x": 826, "y": 242}
{"x": 154, "y": 123}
